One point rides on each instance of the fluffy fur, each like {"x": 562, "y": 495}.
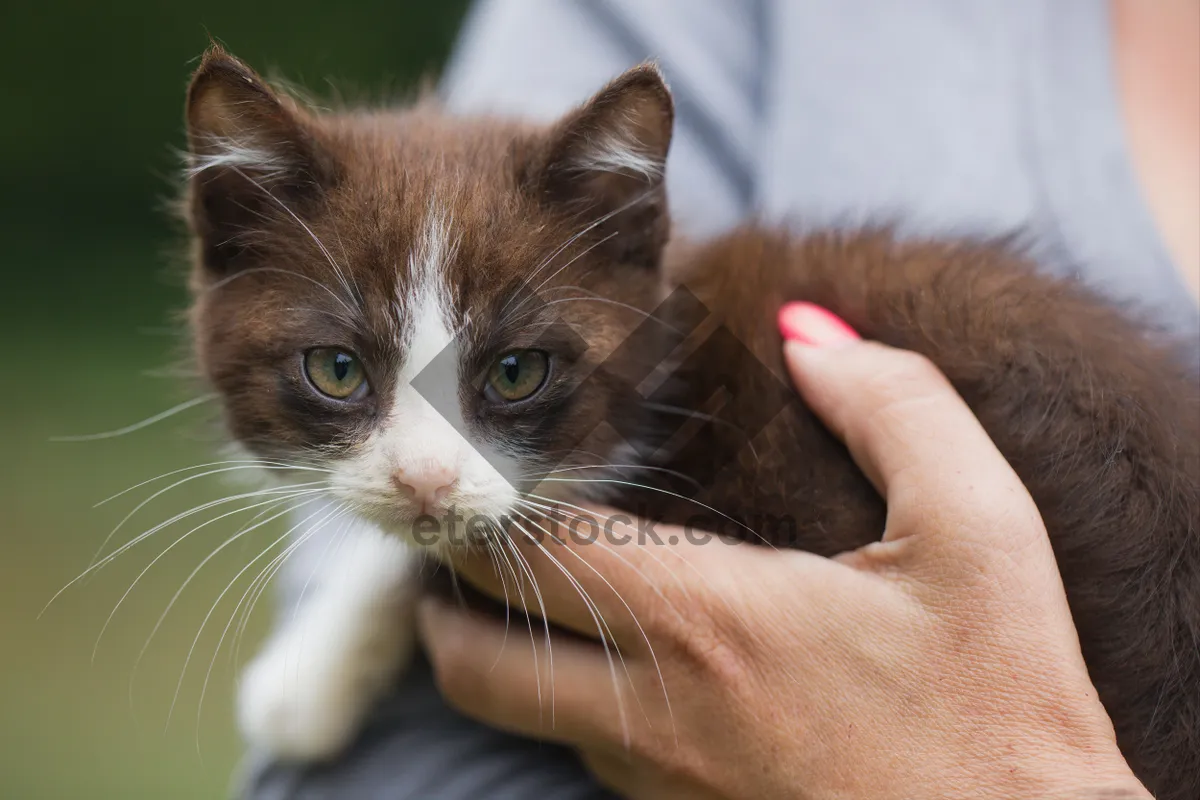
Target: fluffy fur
{"x": 429, "y": 245}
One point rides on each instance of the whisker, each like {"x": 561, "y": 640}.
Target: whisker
{"x": 160, "y": 493}
{"x": 251, "y": 463}
{"x": 255, "y": 590}
{"x": 324, "y": 250}
{"x": 142, "y": 536}
{"x": 650, "y": 316}
{"x": 688, "y": 412}
{"x": 510, "y": 319}
{"x": 174, "y": 598}
{"x": 525, "y": 569}
{"x": 716, "y": 592}
{"x": 601, "y": 626}
{"x": 673, "y": 494}
{"x": 242, "y": 273}
{"x": 194, "y": 510}
{"x": 278, "y": 562}
{"x": 573, "y": 259}
{"x": 542, "y": 508}
{"x": 172, "y": 546}
{"x": 636, "y": 622}
{"x": 494, "y": 556}
{"x": 346, "y": 260}
{"x": 546, "y": 262}
{"x": 137, "y": 426}
{"x": 559, "y": 470}
{"x": 213, "y": 607}
{"x": 259, "y": 586}
{"x": 335, "y": 542}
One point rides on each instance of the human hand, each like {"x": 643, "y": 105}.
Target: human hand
{"x": 939, "y": 662}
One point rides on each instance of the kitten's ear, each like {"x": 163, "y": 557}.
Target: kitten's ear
{"x": 607, "y": 158}
{"x": 250, "y": 153}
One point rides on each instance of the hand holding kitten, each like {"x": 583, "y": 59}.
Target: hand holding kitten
{"x": 941, "y": 661}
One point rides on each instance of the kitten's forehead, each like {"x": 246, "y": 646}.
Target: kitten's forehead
{"x": 434, "y": 210}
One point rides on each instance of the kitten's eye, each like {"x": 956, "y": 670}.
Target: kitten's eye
{"x": 335, "y": 373}
{"x": 518, "y": 374}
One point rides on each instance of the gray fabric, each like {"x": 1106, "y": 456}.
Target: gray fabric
{"x": 942, "y": 116}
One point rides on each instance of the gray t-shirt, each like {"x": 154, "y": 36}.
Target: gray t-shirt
{"x": 944, "y": 116}
{"x": 941, "y": 116}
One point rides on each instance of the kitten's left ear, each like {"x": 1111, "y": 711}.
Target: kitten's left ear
{"x": 607, "y": 158}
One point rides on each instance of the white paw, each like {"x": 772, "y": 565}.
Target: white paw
{"x": 305, "y": 696}
{"x": 307, "y": 703}
{"x": 297, "y": 705}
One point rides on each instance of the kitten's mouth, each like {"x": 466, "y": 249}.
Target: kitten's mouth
{"x": 435, "y": 526}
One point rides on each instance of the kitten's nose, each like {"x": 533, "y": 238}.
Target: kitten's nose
{"x": 428, "y": 484}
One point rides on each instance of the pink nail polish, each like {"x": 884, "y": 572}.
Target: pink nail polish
{"x": 810, "y": 324}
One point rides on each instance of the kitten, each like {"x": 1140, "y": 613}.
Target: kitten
{"x": 465, "y": 313}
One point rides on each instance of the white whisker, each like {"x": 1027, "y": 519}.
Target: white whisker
{"x": 243, "y": 273}
{"x": 716, "y": 592}
{"x": 688, "y": 412}
{"x": 324, "y": 250}
{"x": 220, "y": 597}
{"x": 175, "y": 485}
{"x": 664, "y": 491}
{"x": 174, "y": 598}
{"x": 638, "y": 467}
{"x": 525, "y": 569}
{"x": 598, "y": 221}
{"x": 137, "y": 426}
{"x": 249, "y": 462}
{"x": 608, "y": 641}
{"x": 278, "y": 561}
{"x": 636, "y": 622}
{"x": 494, "y": 556}
{"x": 162, "y": 525}
{"x": 542, "y": 508}
{"x": 592, "y": 297}
{"x": 172, "y": 546}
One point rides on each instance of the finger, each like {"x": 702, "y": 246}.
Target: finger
{"x": 911, "y": 434}
{"x": 549, "y": 685}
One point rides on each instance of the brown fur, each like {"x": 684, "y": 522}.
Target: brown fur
{"x": 1093, "y": 410}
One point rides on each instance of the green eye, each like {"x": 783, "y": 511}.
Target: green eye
{"x": 518, "y": 374}
{"x": 334, "y": 372}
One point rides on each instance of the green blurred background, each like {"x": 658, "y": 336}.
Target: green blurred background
{"x": 91, "y": 100}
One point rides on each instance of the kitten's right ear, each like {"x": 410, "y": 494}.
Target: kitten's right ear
{"x": 250, "y": 154}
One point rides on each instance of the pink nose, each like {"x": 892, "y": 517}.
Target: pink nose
{"x": 427, "y": 485}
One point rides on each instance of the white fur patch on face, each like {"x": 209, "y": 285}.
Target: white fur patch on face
{"x": 428, "y": 292}
{"x": 425, "y": 433}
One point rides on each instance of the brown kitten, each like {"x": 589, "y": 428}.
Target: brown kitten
{"x": 459, "y": 312}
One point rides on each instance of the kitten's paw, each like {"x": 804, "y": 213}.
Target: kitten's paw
{"x": 307, "y": 693}
{"x": 299, "y": 704}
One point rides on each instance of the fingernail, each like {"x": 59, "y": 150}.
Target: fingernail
{"x": 810, "y": 324}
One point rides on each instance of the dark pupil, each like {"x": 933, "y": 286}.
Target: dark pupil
{"x": 341, "y": 366}
{"x": 512, "y": 369}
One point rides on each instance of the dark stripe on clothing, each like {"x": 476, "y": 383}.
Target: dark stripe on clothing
{"x": 708, "y": 131}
